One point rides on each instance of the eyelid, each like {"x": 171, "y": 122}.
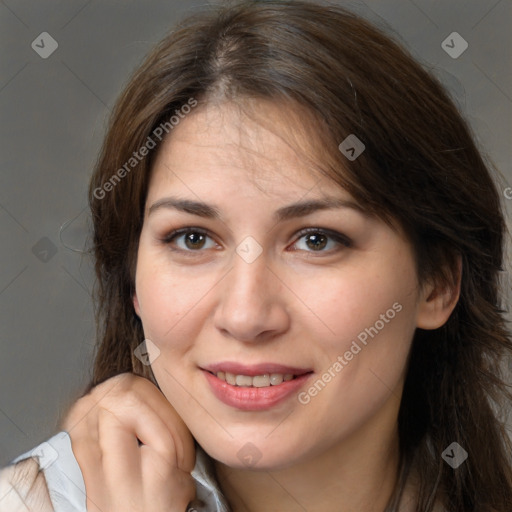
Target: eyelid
{"x": 187, "y": 229}
{"x": 176, "y": 233}
{"x": 338, "y": 237}
{"x": 335, "y": 235}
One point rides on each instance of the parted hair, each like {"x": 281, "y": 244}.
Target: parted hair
{"x": 421, "y": 168}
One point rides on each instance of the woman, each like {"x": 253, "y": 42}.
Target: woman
{"x": 309, "y": 243}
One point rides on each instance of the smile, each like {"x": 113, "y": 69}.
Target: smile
{"x": 256, "y": 387}
{"x": 258, "y": 381}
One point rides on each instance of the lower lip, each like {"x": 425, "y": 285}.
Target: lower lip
{"x": 254, "y": 399}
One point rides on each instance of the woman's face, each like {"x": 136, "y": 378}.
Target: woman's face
{"x": 243, "y": 290}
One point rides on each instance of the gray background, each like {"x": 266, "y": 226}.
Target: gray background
{"x": 54, "y": 114}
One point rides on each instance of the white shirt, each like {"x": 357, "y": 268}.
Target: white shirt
{"x": 66, "y": 484}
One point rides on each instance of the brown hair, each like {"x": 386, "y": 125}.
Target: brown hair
{"x": 420, "y": 168}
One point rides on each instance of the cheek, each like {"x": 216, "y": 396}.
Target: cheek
{"x": 168, "y": 300}
{"x": 360, "y": 302}
{"x": 374, "y": 321}
{"x": 367, "y": 324}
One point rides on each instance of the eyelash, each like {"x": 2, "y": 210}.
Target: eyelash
{"x": 339, "y": 238}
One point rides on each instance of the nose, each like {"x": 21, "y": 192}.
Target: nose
{"x": 252, "y": 306}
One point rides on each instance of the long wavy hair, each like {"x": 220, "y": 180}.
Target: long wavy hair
{"x": 421, "y": 168}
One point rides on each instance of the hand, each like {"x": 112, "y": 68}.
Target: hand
{"x": 120, "y": 473}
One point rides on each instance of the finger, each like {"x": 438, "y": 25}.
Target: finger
{"x": 183, "y": 440}
{"x": 120, "y": 462}
{"x": 147, "y": 474}
{"x": 148, "y": 426}
{"x": 89, "y": 459}
{"x": 134, "y": 392}
{"x": 83, "y": 413}
{"x": 165, "y": 485}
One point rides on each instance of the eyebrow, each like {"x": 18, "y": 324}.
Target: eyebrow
{"x": 300, "y": 209}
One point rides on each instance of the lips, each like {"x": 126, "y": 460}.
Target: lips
{"x": 255, "y": 387}
{"x": 253, "y": 398}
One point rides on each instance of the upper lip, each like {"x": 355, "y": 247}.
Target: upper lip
{"x": 254, "y": 369}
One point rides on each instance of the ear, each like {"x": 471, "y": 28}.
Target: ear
{"x": 136, "y": 304}
{"x": 437, "y": 302}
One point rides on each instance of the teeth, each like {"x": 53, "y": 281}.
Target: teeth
{"x": 243, "y": 380}
{"x": 258, "y": 381}
{"x": 261, "y": 381}
{"x": 276, "y": 378}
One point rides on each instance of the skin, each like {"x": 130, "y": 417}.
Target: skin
{"x": 294, "y": 305}
{"x": 120, "y": 474}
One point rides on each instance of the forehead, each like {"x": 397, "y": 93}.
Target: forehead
{"x": 255, "y": 142}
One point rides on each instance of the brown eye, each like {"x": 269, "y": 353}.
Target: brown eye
{"x": 188, "y": 240}
{"x": 316, "y": 240}
{"x": 194, "y": 240}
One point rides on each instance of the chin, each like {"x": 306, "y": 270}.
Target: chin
{"x": 257, "y": 455}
